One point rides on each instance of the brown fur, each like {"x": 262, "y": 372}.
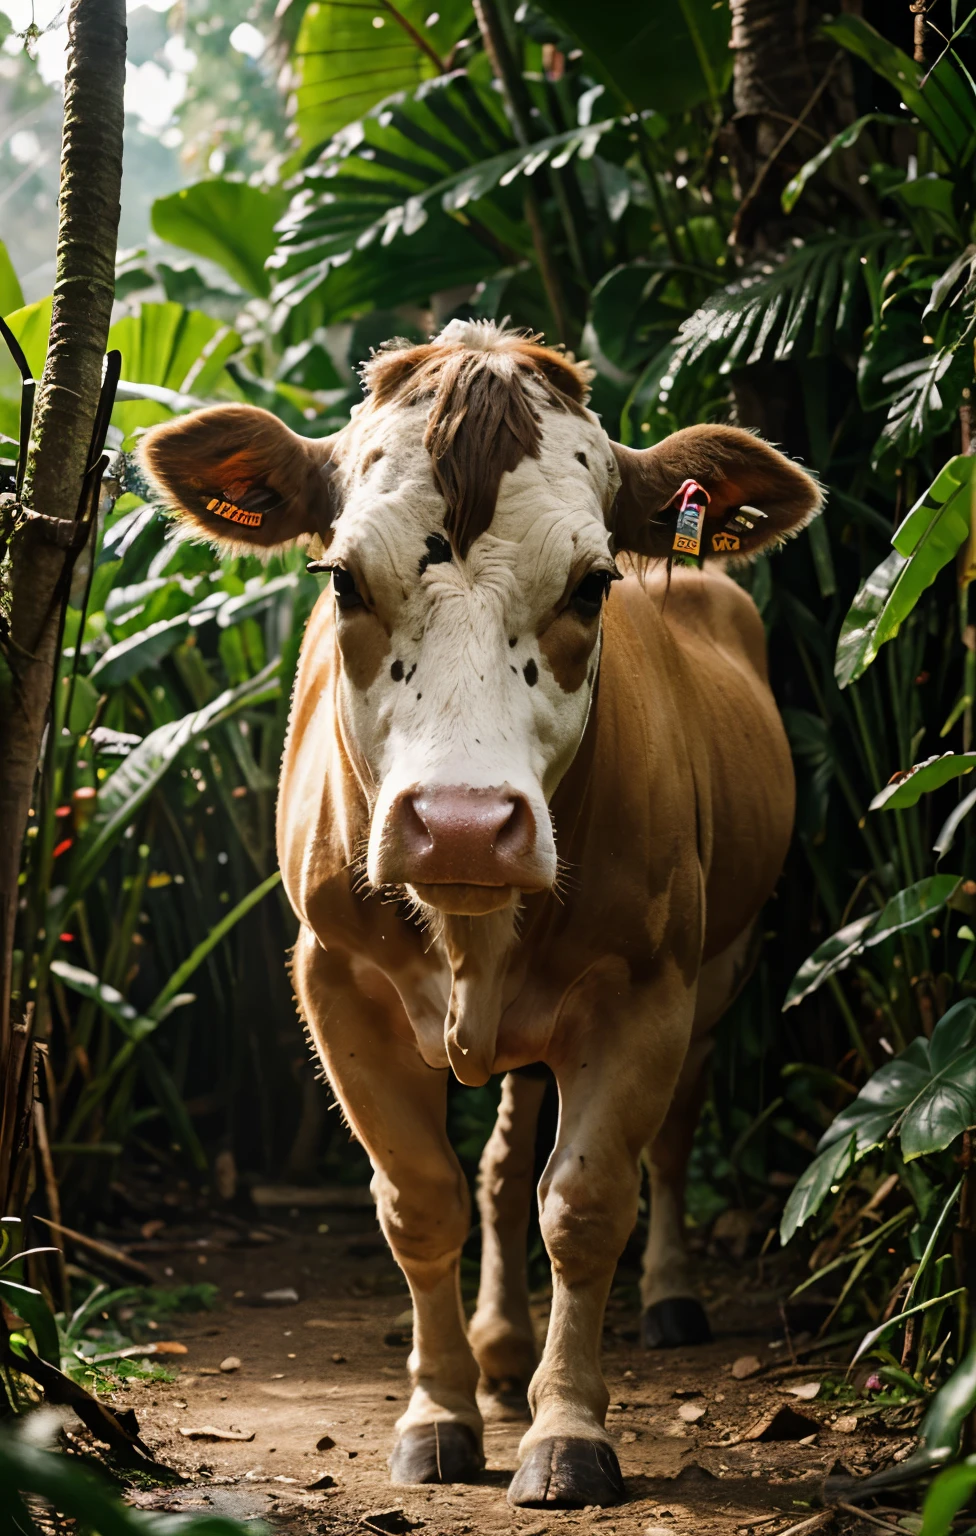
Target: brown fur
{"x": 735, "y": 467}
{"x": 484, "y": 414}
{"x": 247, "y": 458}
{"x": 567, "y": 645}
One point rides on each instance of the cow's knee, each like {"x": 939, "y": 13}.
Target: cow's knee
{"x": 425, "y": 1217}
{"x": 587, "y": 1214}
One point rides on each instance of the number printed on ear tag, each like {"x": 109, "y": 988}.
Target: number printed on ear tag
{"x": 724, "y": 543}
{"x": 692, "y": 500}
{"x": 234, "y": 514}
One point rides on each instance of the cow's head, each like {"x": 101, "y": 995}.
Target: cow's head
{"x": 471, "y": 514}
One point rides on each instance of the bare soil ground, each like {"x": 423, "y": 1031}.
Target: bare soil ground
{"x": 322, "y": 1381}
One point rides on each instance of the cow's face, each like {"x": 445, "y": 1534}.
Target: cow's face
{"x": 467, "y": 675}
{"x": 468, "y": 513}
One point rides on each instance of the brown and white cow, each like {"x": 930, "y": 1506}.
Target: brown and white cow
{"x": 527, "y": 814}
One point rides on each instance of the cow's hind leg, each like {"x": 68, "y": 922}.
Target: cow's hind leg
{"x": 397, "y": 1107}
{"x": 501, "y": 1331}
{"x": 671, "y": 1314}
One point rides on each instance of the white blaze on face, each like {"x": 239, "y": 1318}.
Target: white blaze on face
{"x": 472, "y": 674}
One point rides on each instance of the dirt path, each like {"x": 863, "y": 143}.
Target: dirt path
{"x": 330, "y": 1368}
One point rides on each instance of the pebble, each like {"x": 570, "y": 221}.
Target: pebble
{"x": 232, "y": 1363}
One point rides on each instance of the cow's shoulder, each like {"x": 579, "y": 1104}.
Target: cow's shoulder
{"x": 697, "y": 610}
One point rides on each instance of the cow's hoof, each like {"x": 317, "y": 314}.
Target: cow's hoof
{"x": 673, "y": 1323}
{"x": 568, "y": 1473}
{"x": 436, "y": 1453}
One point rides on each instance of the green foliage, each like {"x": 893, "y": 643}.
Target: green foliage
{"x": 82, "y": 1494}
{"x": 11, "y": 295}
{"x": 918, "y": 904}
{"x": 670, "y": 58}
{"x": 229, "y": 222}
{"x": 371, "y": 208}
{"x": 348, "y": 57}
{"x": 908, "y": 788}
{"x": 926, "y": 1097}
{"x": 950, "y": 1493}
{"x": 926, "y": 541}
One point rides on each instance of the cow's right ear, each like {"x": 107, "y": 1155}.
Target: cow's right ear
{"x": 237, "y": 475}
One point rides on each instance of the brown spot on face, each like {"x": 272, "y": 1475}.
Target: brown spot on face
{"x": 364, "y": 644}
{"x": 372, "y": 457}
{"x": 484, "y": 414}
{"x": 567, "y": 645}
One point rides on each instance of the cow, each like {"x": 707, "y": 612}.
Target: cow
{"x": 534, "y": 795}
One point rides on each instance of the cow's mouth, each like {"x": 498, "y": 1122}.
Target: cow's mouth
{"x": 464, "y": 900}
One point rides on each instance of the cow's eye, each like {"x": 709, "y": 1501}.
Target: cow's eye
{"x": 344, "y": 587}
{"x": 587, "y": 599}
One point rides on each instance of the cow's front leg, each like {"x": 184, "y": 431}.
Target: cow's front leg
{"x": 397, "y": 1107}
{"x": 615, "y": 1084}
{"x": 501, "y": 1331}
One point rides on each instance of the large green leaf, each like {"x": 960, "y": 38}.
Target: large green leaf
{"x": 844, "y": 140}
{"x": 949, "y": 1494}
{"x": 11, "y": 294}
{"x": 916, "y": 904}
{"x": 176, "y": 355}
{"x": 349, "y": 56}
{"x": 833, "y": 955}
{"x": 926, "y": 540}
{"x": 814, "y": 1185}
{"x": 809, "y": 303}
{"x": 945, "y": 1105}
{"x": 30, "y": 325}
{"x": 670, "y": 57}
{"x": 31, "y": 1306}
{"x": 371, "y": 216}
{"x": 856, "y": 645}
{"x": 926, "y": 1096}
{"x": 940, "y": 98}
{"x": 926, "y": 776}
{"x": 230, "y": 222}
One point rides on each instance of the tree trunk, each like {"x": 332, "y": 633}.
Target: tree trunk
{"x": 40, "y": 535}
{"x": 792, "y": 92}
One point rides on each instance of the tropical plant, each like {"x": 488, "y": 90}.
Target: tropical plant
{"x": 31, "y": 1475}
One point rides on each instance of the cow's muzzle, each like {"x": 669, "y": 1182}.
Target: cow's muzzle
{"x": 463, "y": 850}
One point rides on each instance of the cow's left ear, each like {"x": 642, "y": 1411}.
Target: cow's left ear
{"x": 736, "y": 470}
{"x": 237, "y": 475}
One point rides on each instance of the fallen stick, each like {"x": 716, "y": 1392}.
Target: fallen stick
{"x": 864, "y": 1514}
{"x": 106, "y": 1251}
{"x": 815, "y": 1523}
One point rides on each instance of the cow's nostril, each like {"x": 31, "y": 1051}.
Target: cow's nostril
{"x": 515, "y": 835}
{"x": 413, "y": 826}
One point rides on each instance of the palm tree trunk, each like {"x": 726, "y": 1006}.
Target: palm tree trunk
{"x": 40, "y": 536}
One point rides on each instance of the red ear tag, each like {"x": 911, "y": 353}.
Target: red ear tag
{"x": 692, "y": 500}
{"x": 234, "y": 514}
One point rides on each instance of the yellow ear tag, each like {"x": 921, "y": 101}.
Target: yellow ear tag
{"x": 234, "y": 514}
{"x": 692, "y": 500}
{"x": 724, "y": 543}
